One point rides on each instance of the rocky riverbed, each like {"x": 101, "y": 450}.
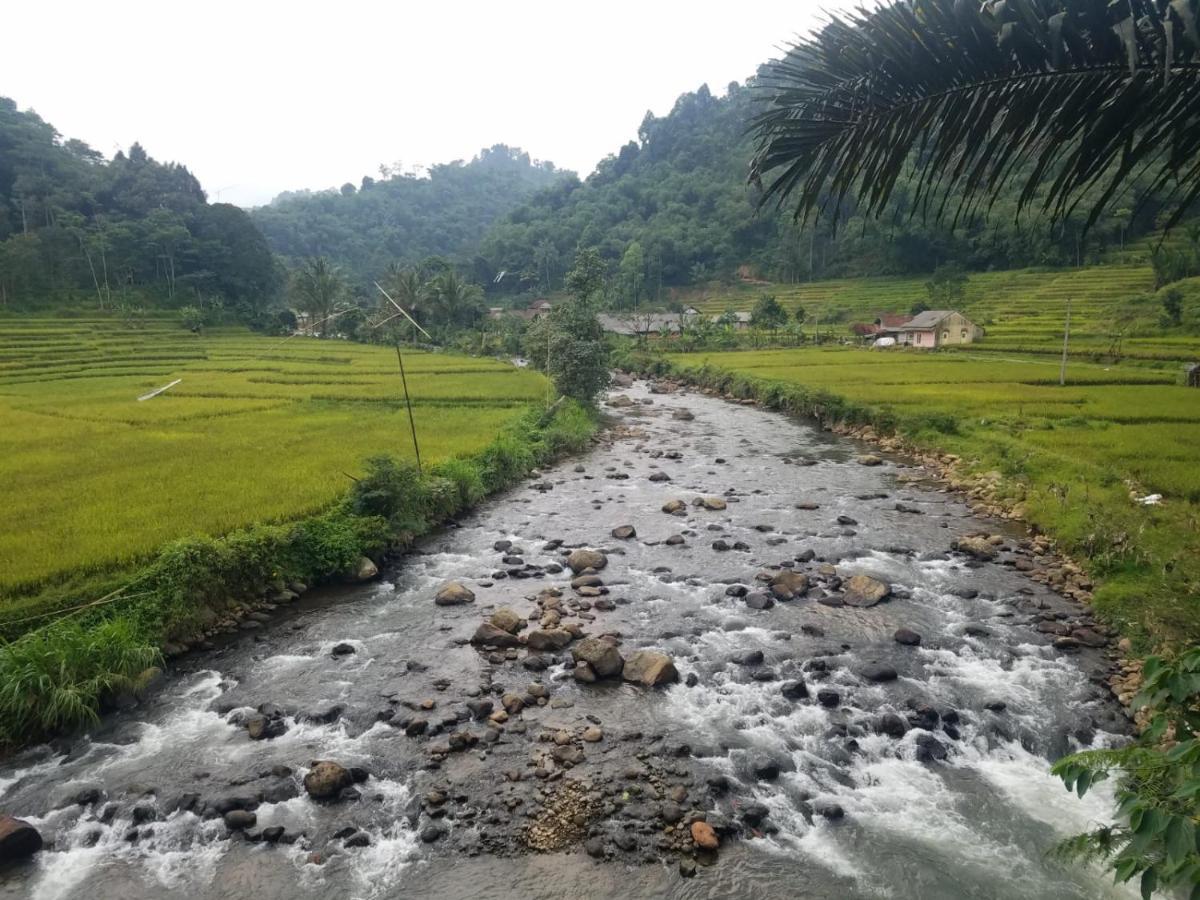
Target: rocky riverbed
{"x": 725, "y": 655}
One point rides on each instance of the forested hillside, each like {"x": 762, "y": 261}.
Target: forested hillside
{"x": 405, "y": 217}
{"x": 674, "y": 208}
{"x": 77, "y": 228}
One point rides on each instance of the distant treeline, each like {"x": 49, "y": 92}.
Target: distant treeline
{"x": 404, "y": 218}
{"x": 129, "y": 230}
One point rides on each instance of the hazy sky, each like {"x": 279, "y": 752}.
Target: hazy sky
{"x": 260, "y": 97}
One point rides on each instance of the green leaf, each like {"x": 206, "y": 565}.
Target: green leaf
{"x": 1149, "y": 883}
{"x": 1180, "y": 839}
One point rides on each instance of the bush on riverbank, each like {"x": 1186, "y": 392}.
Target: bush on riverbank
{"x": 59, "y": 675}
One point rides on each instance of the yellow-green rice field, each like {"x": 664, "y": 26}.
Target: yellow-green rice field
{"x": 259, "y": 429}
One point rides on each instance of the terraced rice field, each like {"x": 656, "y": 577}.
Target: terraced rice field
{"x": 1081, "y": 452}
{"x": 259, "y": 429}
{"x": 1021, "y": 311}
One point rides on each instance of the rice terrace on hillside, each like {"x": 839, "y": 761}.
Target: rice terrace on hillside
{"x": 1115, "y": 309}
{"x": 101, "y": 479}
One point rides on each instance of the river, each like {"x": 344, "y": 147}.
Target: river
{"x": 841, "y": 797}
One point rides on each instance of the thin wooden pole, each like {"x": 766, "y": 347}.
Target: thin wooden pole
{"x": 1062, "y": 372}
{"x": 408, "y": 403}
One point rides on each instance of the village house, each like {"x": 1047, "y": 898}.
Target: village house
{"x": 940, "y": 328}
{"x": 535, "y": 310}
{"x": 928, "y": 330}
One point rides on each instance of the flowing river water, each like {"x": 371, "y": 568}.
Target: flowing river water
{"x": 812, "y": 797}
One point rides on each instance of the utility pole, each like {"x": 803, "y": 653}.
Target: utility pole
{"x": 1062, "y": 372}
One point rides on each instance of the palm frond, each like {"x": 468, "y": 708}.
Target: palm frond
{"x": 1062, "y": 101}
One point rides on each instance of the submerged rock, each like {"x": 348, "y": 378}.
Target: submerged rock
{"x": 18, "y": 839}
{"x": 878, "y": 672}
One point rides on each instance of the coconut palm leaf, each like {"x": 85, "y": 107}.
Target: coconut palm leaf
{"x": 1064, "y": 101}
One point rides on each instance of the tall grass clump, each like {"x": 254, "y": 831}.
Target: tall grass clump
{"x": 59, "y": 677}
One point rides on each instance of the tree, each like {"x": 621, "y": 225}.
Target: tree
{"x": 800, "y": 315}
{"x": 768, "y": 314}
{"x": 586, "y": 280}
{"x": 1172, "y": 303}
{"x": 632, "y": 272}
{"x": 947, "y": 287}
{"x": 317, "y": 288}
{"x": 576, "y": 356}
{"x": 456, "y": 303}
{"x": 1065, "y": 100}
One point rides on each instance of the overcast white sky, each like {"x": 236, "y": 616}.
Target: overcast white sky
{"x": 260, "y": 97}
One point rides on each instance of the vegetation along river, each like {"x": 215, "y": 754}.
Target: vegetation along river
{"x": 827, "y": 758}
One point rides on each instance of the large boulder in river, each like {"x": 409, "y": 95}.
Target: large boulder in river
{"x": 326, "y": 779}
{"x": 586, "y": 559}
{"x": 603, "y": 657}
{"x": 363, "y": 570}
{"x": 863, "y": 590}
{"x": 715, "y": 504}
{"x": 453, "y": 593}
{"x": 977, "y": 546}
{"x": 18, "y": 839}
{"x": 507, "y": 620}
{"x": 788, "y": 585}
{"x": 877, "y": 672}
{"x": 650, "y": 667}
{"x": 488, "y": 635}
{"x": 549, "y": 639}
{"x": 675, "y": 508}
{"x": 624, "y": 532}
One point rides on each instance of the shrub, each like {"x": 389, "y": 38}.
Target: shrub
{"x": 1158, "y": 785}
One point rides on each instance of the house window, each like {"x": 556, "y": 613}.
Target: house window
{"x": 945, "y": 335}
{"x": 964, "y": 334}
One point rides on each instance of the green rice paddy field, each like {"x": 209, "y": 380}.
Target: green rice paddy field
{"x": 259, "y": 429}
{"x": 1022, "y": 310}
{"x": 1082, "y": 452}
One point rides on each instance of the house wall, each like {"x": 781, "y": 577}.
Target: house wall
{"x": 926, "y": 339}
{"x": 955, "y": 329}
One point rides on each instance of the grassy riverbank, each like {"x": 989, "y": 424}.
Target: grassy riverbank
{"x": 271, "y": 463}
{"x": 1073, "y": 458}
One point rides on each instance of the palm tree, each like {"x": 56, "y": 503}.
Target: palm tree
{"x": 410, "y": 290}
{"x": 456, "y": 301}
{"x": 318, "y": 289}
{"x": 1067, "y": 100}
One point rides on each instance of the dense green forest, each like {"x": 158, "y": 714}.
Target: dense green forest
{"x": 405, "y": 217}
{"x": 674, "y": 208}
{"x": 120, "y": 232}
